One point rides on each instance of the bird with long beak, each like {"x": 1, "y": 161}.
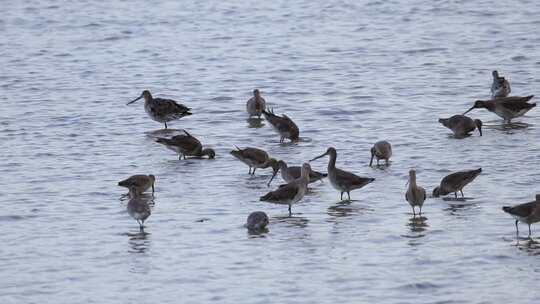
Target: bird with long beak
{"x": 500, "y": 87}
{"x": 527, "y": 213}
{"x": 342, "y": 180}
{"x": 283, "y": 125}
{"x": 291, "y": 173}
{"x": 256, "y": 104}
{"x": 162, "y": 110}
{"x": 381, "y": 150}
{"x": 456, "y": 182}
{"x": 140, "y": 182}
{"x": 138, "y": 207}
{"x": 505, "y": 107}
{"x": 462, "y": 125}
{"x": 292, "y": 192}
{"x": 186, "y": 145}
{"x": 255, "y": 158}
{"x": 415, "y": 194}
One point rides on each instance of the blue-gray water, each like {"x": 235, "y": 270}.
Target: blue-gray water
{"x": 348, "y": 72}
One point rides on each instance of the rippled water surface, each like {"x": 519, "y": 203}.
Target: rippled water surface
{"x": 348, "y": 72}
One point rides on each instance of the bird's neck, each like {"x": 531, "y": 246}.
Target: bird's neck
{"x": 412, "y": 181}
{"x": 332, "y": 162}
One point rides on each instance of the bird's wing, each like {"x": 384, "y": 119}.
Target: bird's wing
{"x": 187, "y": 142}
{"x": 169, "y": 107}
{"x": 458, "y": 180}
{"x": 256, "y": 155}
{"x": 351, "y": 179}
{"x": 524, "y": 210}
{"x": 284, "y": 193}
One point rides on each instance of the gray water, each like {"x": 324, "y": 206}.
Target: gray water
{"x": 348, "y": 72}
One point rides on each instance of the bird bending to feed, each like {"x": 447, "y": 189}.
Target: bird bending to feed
{"x": 138, "y": 207}
{"x": 415, "y": 194}
{"x": 500, "y": 87}
{"x": 140, "y": 182}
{"x": 292, "y": 192}
{"x": 462, "y": 125}
{"x": 291, "y": 173}
{"x": 381, "y": 150}
{"x": 186, "y": 145}
{"x": 506, "y": 107}
{"x": 257, "y": 221}
{"x": 456, "y": 182}
{"x": 283, "y": 125}
{"x": 161, "y": 109}
{"x": 256, "y": 104}
{"x": 527, "y": 213}
{"x": 342, "y": 180}
{"x": 255, "y": 158}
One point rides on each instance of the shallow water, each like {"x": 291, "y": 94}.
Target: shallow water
{"x": 348, "y": 72}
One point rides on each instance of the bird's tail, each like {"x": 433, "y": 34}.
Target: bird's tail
{"x": 506, "y": 209}
{"x": 162, "y": 140}
{"x": 267, "y": 197}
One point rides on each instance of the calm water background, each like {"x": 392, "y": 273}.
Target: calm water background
{"x": 348, "y": 72}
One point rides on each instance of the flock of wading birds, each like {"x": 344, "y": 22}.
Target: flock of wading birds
{"x": 298, "y": 178}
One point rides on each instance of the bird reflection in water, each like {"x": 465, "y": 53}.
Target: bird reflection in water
{"x": 529, "y": 245}
{"x": 507, "y": 126}
{"x": 291, "y": 221}
{"x": 346, "y": 208}
{"x": 459, "y": 209}
{"x": 139, "y": 242}
{"x": 255, "y": 122}
{"x": 418, "y": 224}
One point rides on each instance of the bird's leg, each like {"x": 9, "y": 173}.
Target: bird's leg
{"x": 290, "y": 213}
{"x": 420, "y": 211}
{"x": 455, "y": 194}
{"x": 165, "y": 125}
{"x": 517, "y": 229}
{"x": 349, "y": 195}
{"x": 413, "y": 212}
{"x": 253, "y": 173}
{"x": 185, "y": 156}
{"x": 529, "y": 230}
{"x": 179, "y": 156}
{"x": 249, "y": 172}
{"x": 377, "y": 162}
{"x": 341, "y": 195}
{"x": 462, "y": 193}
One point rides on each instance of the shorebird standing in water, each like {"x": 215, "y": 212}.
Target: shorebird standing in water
{"x": 456, "y": 182}
{"x": 186, "y": 145}
{"x": 505, "y": 107}
{"x": 461, "y": 125}
{"x": 292, "y": 192}
{"x": 162, "y": 110}
{"x": 381, "y": 150}
{"x": 255, "y": 158}
{"x": 256, "y": 104}
{"x": 138, "y": 207}
{"x": 500, "y": 87}
{"x": 291, "y": 173}
{"x": 140, "y": 182}
{"x": 257, "y": 221}
{"x": 415, "y": 194}
{"x": 283, "y": 125}
{"x": 342, "y": 180}
{"x": 527, "y": 213}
